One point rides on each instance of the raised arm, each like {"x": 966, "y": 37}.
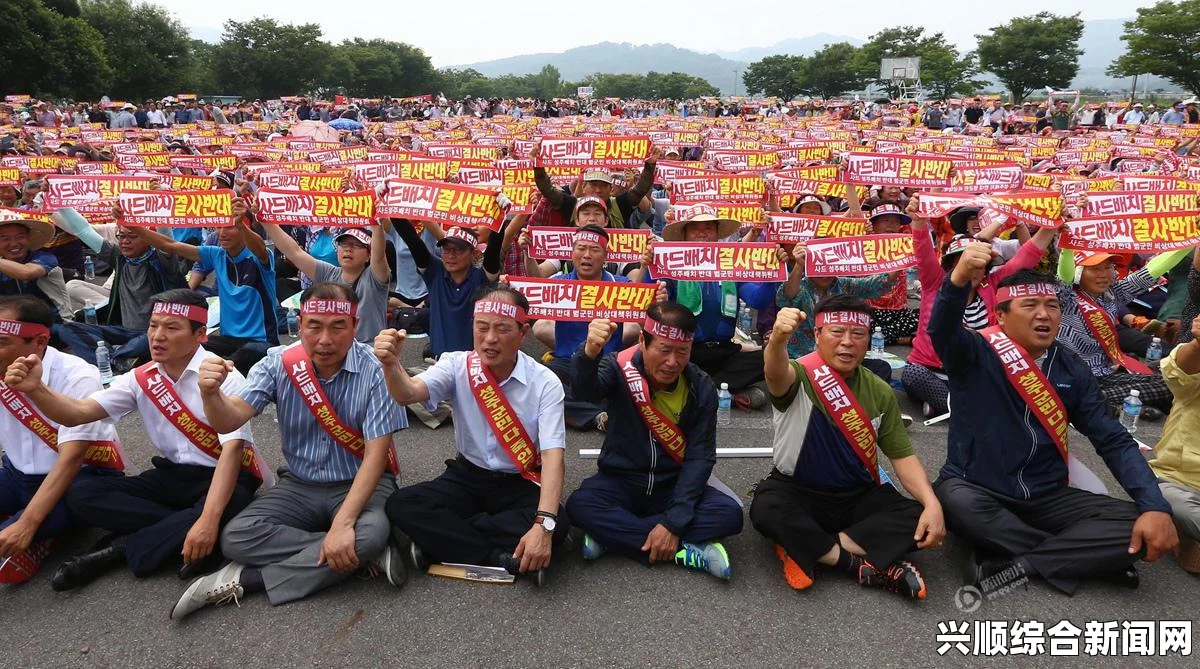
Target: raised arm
{"x": 225, "y": 414}
{"x": 402, "y": 387}
{"x": 379, "y": 264}
{"x": 25, "y": 375}
{"x": 292, "y": 251}
{"x": 777, "y": 367}
{"x": 420, "y": 252}
{"x": 166, "y": 244}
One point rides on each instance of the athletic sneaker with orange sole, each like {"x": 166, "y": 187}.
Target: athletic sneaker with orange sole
{"x": 901, "y": 577}
{"x": 792, "y": 572}
{"x": 23, "y": 566}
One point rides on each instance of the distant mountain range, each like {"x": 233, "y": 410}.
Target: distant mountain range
{"x": 1101, "y": 44}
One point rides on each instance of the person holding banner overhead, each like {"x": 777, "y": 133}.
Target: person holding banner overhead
{"x": 824, "y": 503}
{"x": 715, "y": 305}
{"x": 324, "y": 518}
{"x": 200, "y": 478}
{"x": 43, "y": 459}
{"x": 651, "y": 500}
{"x": 1004, "y": 486}
{"x": 1091, "y": 296}
{"x": 497, "y": 503}
{"x": 589, "y": 254}
{"x": 245, "y": 279}
{"x": 452, "y": 280}
{"x": 598, "y": 183}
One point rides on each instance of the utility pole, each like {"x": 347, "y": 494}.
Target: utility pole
{"x": 1133, "y": 89}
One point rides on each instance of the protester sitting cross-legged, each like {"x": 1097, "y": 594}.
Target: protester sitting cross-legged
{"x": 497, "y": 503}
{"x": 245, "y": 270}
{"x": 25, "y": 268}
{"x": 823, "y": 502}
{"x": 325, "y": 517}
{"x": 200, "y": 478}
{"x": 651, "y": 500}
{"x": 1004, "y": 484}
{"x": 40, "y": 464}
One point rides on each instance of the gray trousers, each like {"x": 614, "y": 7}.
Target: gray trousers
{"x": 1185, "y": 507}
{"x": 281, "y": 533}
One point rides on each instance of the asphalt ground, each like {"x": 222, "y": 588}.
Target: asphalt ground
{"x": 609, "y": 613}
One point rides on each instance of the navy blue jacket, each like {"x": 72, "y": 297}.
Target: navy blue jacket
{"x": 997, "y": 442}
{"x": 631, "y": 454}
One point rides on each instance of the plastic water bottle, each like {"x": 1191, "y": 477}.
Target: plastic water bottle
{"x": 293, "y": 323}
{"x": 106, "y": 376}
{"x": 913, "y": 279}
{"x": 89, "y": 312}
{"x": 89, "y": 268}
{"x": 877, "y": 341}
{"x": 1130, "y": 410}
{"x": 1154, "y": 351}
{"x": 744, "y": 322}
{"x": 724, "y": 402}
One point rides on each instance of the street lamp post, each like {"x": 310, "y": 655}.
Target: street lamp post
{"x": 736, "y": 72}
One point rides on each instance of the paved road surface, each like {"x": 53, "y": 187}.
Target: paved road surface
{"x": 612, "y": 613}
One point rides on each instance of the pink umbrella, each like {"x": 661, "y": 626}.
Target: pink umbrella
{"x": 314, "y": 130}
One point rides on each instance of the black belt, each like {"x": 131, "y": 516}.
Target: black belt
{"x": 485, "y": 472}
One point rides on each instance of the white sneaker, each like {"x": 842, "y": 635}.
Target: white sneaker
{"x": 217, "y": 588}
{"x": 391, "y": 563}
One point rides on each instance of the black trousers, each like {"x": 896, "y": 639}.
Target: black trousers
{"x": 806, "y": 522}
{"x": 1064, "y": 536}
{"x": 153, "y": 510}
{"x": 578, "y": 414}
{"x": 468, "y": 514}
{"x": 243, "y": 352}
{"x": 726, "y": 362}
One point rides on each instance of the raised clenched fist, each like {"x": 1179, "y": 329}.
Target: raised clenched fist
{"x": 787, "y": 320}
{"x": 212, "y": 374}
{"x": 388, "y": 344}
{"x": 24, "y": 374}
{"x": 599, "y": 332}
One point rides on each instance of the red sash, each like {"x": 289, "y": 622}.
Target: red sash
{"x": 105, "y": 454}
{"x": 1104, "y": 330}
{"x": 662, "y": 428}
{"x": 1032, "y": 385}
{"x": 506, "y": 426}
{"x": 158, "y": 387}
{"x": 843, "y": 410}
{"x": 304, "y": 377}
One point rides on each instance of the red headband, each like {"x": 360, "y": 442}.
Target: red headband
{"x": 322, "y": 307}
{"x": 668, "y": 332}
{"x": 191, "y": 312}
{"x": 843, "y": 318}
{"x": 498, "y": 308}
{"x": 22, "y": 329}
{"x": 591, "y": 238}
{"x": 1007, "y": 293}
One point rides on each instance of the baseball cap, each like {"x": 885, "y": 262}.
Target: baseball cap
{"x": 597, "y": 175}
{"x": 355, "y": 233}
{"x": 591, "y": 199}
{"x": 460, "y": 235}
{"x": 1088, "y": 259}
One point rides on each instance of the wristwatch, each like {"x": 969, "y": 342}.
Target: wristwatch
{"x": 547, "y": 521}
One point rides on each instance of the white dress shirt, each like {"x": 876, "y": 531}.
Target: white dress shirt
{"x": 536, "y": 396}
{"x": 125, "y": 395}
{"x": 73, "y": 377}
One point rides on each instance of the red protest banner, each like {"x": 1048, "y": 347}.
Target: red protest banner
{"x": 447, "y": 203}
{"x": 718, "y": 261}
{"x": 1117, "y": 203}
{"x": 548, "y": 243}
{"x": 10, "y": 176}
{"x": 302, "y": 181}
{"x": 40, "y": 164}
{"x": 88, "y": 194}
{"x": 1134, "y": 233}
{"x": 356, "y": 209}
{"x": 1040, "y": 208}
{"x": 790, "y": 228}
{"x": 859, "y": 256}
{"x": 151, "y": 208}
{"x": 561, "y": 300}
{"x": 986, "y": 178}
{"x": 725, "y": 187}
{"x": 606, "y": 152}
{"x": 885, "y": 169}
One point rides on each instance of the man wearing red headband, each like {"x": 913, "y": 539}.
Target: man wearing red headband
{"x": 1004, "y": 485}
{"x": 825, "y": 502}
{"x": 41, "y": 456}
{"x": 324, "y": 518}
{"x": 651, "y": 500}
{"x": 200, "y": 478}
{"x": 498, "y": 503}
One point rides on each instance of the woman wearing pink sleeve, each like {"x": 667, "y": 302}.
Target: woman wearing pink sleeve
{"x": 923, "y": 377}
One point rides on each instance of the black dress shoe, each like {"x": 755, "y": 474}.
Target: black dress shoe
{"x": 83, "y": 569}
{"x": 513, "y": 566}
{"x": 201, "y": 567}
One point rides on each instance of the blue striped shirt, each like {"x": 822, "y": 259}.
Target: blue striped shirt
{"x": 357, "y": 393}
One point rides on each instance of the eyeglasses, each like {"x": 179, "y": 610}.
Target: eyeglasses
{"x": 126, "y": 235}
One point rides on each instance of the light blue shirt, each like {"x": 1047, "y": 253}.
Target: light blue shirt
{"x": 536, "y": 396}
{"x": 358, "y": 395}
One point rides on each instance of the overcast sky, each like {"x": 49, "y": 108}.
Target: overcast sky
{"x": 467, "y": 31}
